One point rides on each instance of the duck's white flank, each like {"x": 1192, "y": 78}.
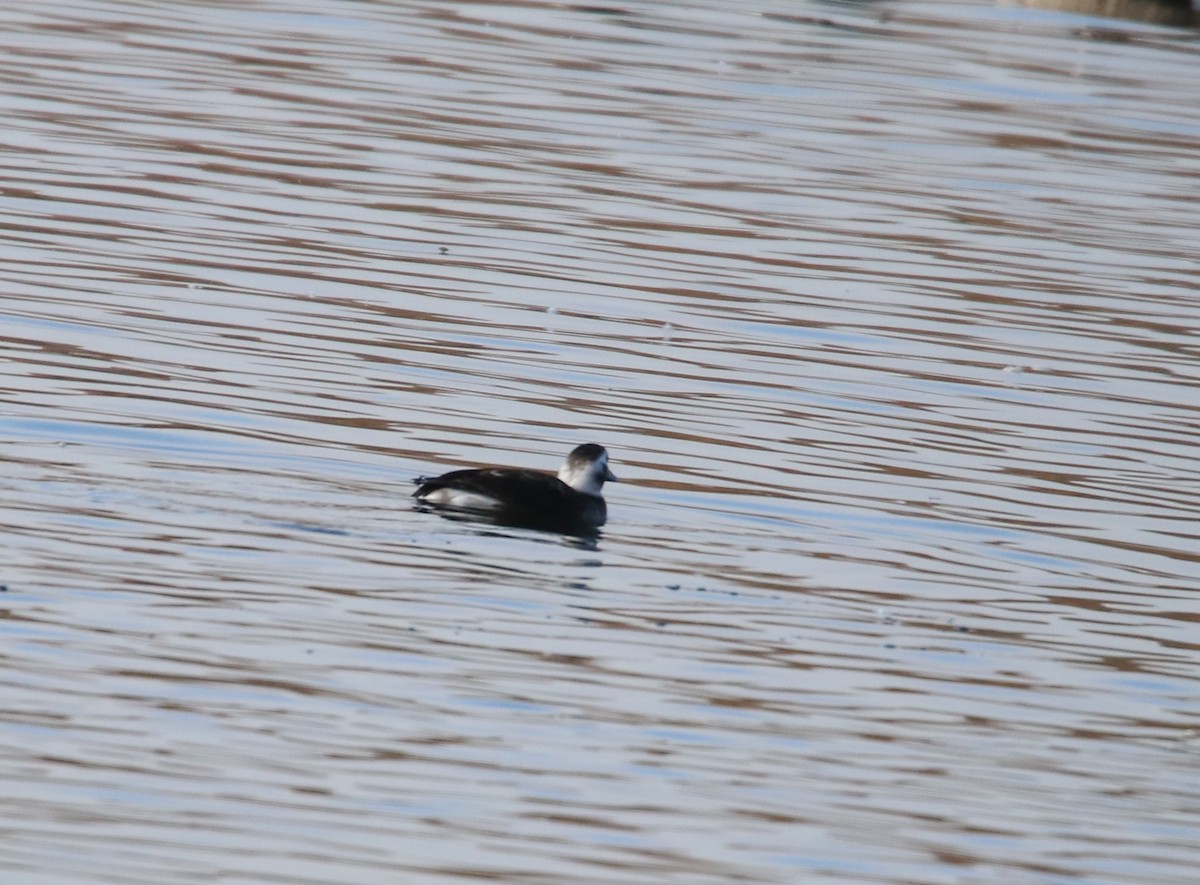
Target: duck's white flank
{"x": 462, "y": 500}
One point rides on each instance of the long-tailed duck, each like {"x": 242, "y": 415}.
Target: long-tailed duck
{"x": 566, "y": 503}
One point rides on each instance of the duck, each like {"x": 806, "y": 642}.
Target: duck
{"x": 569, "y": 502}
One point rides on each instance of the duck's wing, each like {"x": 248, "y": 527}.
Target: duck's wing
{"x": 502, "y": 484}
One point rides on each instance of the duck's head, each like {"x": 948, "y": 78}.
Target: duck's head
{"x": 586, "y": 469}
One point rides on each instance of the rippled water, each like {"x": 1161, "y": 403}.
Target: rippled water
{"x": 887, "y": 313}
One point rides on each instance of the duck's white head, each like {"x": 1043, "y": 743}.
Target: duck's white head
{"x": 586, "y": 469}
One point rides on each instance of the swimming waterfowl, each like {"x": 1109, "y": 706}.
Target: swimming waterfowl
{"x": 568, "y": 502}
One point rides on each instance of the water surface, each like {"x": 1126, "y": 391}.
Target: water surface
{"x": 886, "y": 312}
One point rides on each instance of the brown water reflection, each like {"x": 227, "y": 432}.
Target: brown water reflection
{"x": 886, "y": 315}
{"x": 1179, "y": 13}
